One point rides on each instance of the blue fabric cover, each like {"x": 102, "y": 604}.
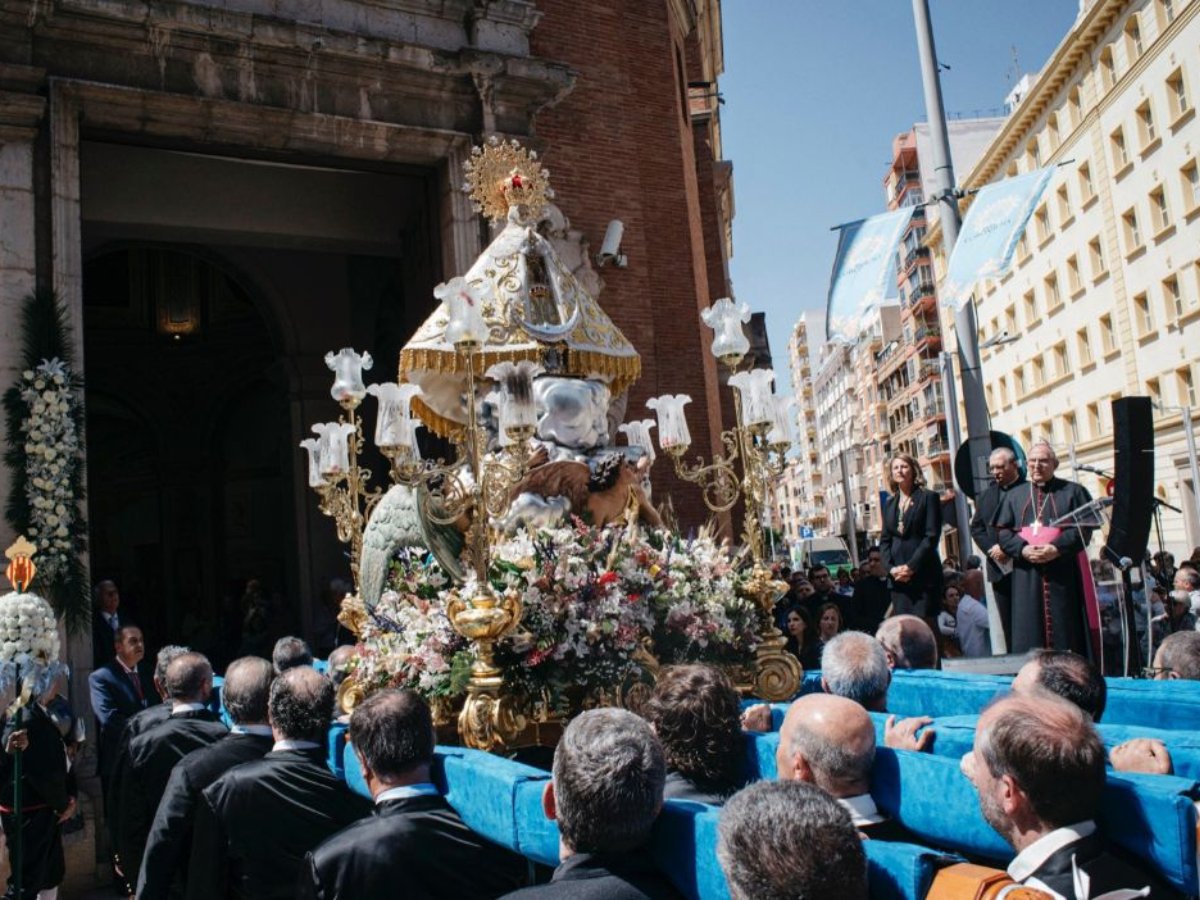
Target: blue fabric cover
{"x": 335, "y": 743}
{"x": 936, "y": 694}
{"x": 956, "y": 735}
{"x": 321, "y": 665}
{"x": 352, "y": 772}
{"x": 1154, "y": 817}
{"x": 760, "y": 756}
{"x": 896, "y": 870}
{"x": 1171, "y": 705}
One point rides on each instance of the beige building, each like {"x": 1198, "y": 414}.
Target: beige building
{"x": 801, "y": 500}
{"x": 1104, "y": 294}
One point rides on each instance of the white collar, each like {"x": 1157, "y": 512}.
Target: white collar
{"x": 862, "y": 809}
{"x": 179, "y": 708}
{"x": 1035, "y": 855}
{"x": 258, "y": 730}
{"x": 405, "y": 791}
{"x": 288, "y": 744}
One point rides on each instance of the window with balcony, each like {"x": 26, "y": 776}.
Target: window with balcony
{"x": 1019, "y": 382}
{"x": 1108, "y": 70}
{"x": 1074, "y": 281}
{"x": 1154, "y": 390}
{"x": 1096, "y": 254}
{"x": 1120, "y": 153}
{"x": 1142, "y": 315}
{"x": 1029, "y": 309}
{"x": 1087, "y": 187}
{"x": 1133, "y": 40}
{"x": 1177, "y": 95}
{"x": 1108, "y": 337}
{"x": 1083, "y": 341}
{"x": 1059, "y": 355}
{"x": 1095, "y": 426}
{"x": 1053, "y": 294}
{"x": 1064, "y": 204}
{"x": 1190, "y": 177}
{"x": 1166, "y": 12}
{"x": 1147, "y": 131}
{"x": 1185, "y": 386}
{"x": 1159, "y": 211}
{"x": 1039, "y": 371}
{"x": 1074, "y": 107}
{"x": 1042, "y": 218}
{"x": 1172, "y": 297}
{"x": 1131, "y": 232}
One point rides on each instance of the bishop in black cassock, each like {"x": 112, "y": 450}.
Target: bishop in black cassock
{"x": 1047, "y": 600}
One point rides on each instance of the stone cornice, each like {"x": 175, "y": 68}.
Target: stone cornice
{"x": 21, "y": 106}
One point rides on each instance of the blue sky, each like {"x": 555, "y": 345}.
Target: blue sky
{"x": 814, "y": 94}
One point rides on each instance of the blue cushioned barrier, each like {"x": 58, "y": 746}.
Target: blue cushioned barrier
{"x": 1171, "y": 705}
{"x": 335, "y": 743}
{"x": 937, "y": 694}
{"x": 321, "y": 665}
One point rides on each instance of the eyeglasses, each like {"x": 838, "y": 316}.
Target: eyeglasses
{"x": 1041, "y": 462}
{"x": 1155, "y": 671}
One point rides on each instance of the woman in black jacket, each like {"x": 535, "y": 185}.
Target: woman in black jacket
{"x": 912, "y": 528}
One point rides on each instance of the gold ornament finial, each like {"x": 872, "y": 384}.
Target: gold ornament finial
{"x": 20, "y": 570}
{"x": 503, "y": 174}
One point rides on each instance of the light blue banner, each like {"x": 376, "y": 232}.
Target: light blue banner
{"x": 990, "y": 232}
{"x": 864, "y": 271}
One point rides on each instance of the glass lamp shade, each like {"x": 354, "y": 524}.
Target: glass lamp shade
{"x": 754, "y": 387}
{"x": 672, "y": 425}
{"x": 464, "y": 308}
{"x": 638, "y": 435}
{"x": 781, "y": 423}
{"x": 515, "y": 387}
{"x": 395, "y": 426}
{"x": 347, "y": 367}
{"x": 334, "y": 450}
{"x": 313, "y": 446}
{"x": 726, "y": 318}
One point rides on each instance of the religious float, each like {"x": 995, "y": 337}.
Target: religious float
{"x": 531, "y": 575}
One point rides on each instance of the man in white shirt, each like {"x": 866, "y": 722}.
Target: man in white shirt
{"x": 1038, "y": 765}
{"x": 971, "y": 620}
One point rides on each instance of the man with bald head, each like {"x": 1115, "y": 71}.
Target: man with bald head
{"x": 256, "y": 822}
{"x": 1047, "y": 608}
{"x": 908, "y": 642}
{"x": 1038, "y": 766}
{"x": 829, "y": 741}
{"x": 1006, "y": 475}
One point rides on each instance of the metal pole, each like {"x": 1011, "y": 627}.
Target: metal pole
{"x": 1189, "y": 435}
{"x": 851, "y": 531}
{"x": 978, "y": 428}
{"x": 961, "y": 511}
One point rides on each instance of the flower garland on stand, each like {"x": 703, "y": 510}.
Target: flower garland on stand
{"x": 44, "y": 417}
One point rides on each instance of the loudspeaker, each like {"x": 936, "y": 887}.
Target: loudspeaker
{"x": 1133, "y": 476}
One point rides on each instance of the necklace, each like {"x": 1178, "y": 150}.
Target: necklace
{"x": 905, "y": 504}
{"x": 1039, "y": 508}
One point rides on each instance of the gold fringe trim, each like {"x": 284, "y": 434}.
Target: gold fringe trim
{"x": 622, "y": 371}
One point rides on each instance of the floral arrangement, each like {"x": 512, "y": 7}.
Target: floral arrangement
{"x": 44, "y": 419}
{"x": 593, "y": 599}
{"x": 28, "y": 641}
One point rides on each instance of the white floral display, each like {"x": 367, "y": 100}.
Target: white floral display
{"x": 52, "y": 457}
{"x": 28, "y": 641}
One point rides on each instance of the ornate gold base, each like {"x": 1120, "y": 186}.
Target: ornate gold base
{"x": 490, "y": 720}
{"x": 777, "y": 673}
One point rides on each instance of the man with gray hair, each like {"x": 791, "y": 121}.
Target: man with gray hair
{"x": 244, "y": 695}
{"x": 290, "y": 652}
{"x": 606, "y": 794}
{"x": 1047, "y": 586}
{"x": 783, "y": 840}
{"x": 1178, "y": 656}
{"x": 830, "y": 742}
{"x": 1006, "y": 474}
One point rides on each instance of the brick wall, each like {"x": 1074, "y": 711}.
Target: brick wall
{"x": 621, "y": 146}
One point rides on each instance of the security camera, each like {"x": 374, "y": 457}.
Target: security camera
{"x": 610, "y": 250}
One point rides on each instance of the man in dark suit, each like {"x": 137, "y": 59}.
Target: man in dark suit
{"x": 606, "y": 794}
{"x": 790, "y": 839}
{"x": 414, "y": 838}
{"x": 1038, "y": 765}
{"x": 119, "y": 690}
{"x": 106, "y": 621}
{"x": 256, "y": 822}
{"x": 244, "y": 694}
{"x": 153, "y": 755}
{"x": 1006, "y": 474}
{"x": 871, "y": 598}
{"x": 829, "y": 741}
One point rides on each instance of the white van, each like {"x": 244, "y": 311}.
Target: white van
{"x": 830, "y": 552}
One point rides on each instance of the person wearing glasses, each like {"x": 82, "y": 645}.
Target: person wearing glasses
{"x": 1006, "y": 476}
{"x": 1047, "y": 588}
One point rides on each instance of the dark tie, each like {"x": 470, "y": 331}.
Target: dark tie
{"x": 137, "y": 685}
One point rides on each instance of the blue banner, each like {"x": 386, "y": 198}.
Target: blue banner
{"x": 990, "y": 232}
{"x": 864, "y": 271}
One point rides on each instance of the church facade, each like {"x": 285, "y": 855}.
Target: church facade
{"x": 220, "y": 191}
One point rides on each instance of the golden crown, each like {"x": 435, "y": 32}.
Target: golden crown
{"x": 503, "y": 174}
